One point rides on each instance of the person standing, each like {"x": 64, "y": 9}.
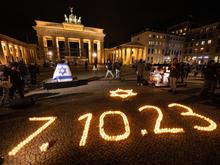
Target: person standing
{"x": 173, "y": 75}
{"x": 4, "y": 77}
{"x": 117, "y": 66}
{"x": 109, "y": 69}
{"x": 140, "y": 72}
{"x": 86, "y": 65}
{"x": 33, "y": 73}
{"x": 17, "y": 81}
{"x": 211, "y": 77}
{"x": 23, "y": 71}
{"x": 187, "y": 70}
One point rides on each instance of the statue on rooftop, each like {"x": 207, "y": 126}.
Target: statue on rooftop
{"x": 72, "y": 18}
{"x": 79, "y": 20}
{"x": 66, "y": 18}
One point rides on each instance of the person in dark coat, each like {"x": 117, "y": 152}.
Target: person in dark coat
{"x": 17, "y": 81}
{"x": 140, "y": 72}
{"x": 174, "y": 74}
{"x": 117, "y": 66}
{"x": 211, "y": 76}
{"x": 33, "y": 73}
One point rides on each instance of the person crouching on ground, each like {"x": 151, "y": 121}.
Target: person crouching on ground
{"x": 173, "y": 75}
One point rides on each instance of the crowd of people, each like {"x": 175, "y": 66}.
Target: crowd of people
{"x": 14, "y": 77}
{"x": 178, "y": 72}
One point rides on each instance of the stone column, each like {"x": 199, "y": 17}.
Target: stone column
{"x": 82, "y": 53}
{"x": 67, "y": 53}
{"x": 91, "y": 60}
{"x": 2, "y": 55}
{"x": 99, "y": 52}
{"x": 42, "y": 55}
{"x": 102, "y": 55}
{"x": 56, "y": 53}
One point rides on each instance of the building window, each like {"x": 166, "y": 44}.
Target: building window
{"x": 49, "y": 43}
{"x": 207, "y": 49}
{"x": 148, "y": 50}
{"x": 153, "y": 35}
{"x": 161, "y": 37}
{"x": 150, "y": 35}
{"x": 157, "y": 36}
{"x": 197, "y": 44}
{"x": 152, "y": 51}
{"x": 163, "y": 51}
{"x": 151, "y": 43}
{"x": 209, "y": 41}
{"x": 190, "y": 51}
{"x": 203, "y": 43}
{"x": 201, "y": 49}
{"x": 217, "y": 50}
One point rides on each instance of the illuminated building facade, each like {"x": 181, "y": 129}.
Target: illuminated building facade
{"x": 160, "y": 47}
{"x": 203, "y": 43}
{"x": 127, "y": 53}
{"x": 12, "y": 50}
{"x": 180, "y": 29}
{"x": 70, "y": 40}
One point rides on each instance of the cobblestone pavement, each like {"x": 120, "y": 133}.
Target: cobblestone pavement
{"x": 191, "y": 147}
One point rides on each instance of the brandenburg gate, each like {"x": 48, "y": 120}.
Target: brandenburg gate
{"x": 70, "y": 40}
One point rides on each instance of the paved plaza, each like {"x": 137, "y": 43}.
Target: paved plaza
{"x": 192, "y": 146}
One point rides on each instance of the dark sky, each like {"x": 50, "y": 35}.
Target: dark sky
{"x": 118, "y": 18}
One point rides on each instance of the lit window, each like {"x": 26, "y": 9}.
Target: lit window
{"x": 197, "y": 44}
{"x": 203, "y": 43}
{"x": 185, "y": 29}
{"x": 150, "y": 35}
{"x": 181, "y": 30}
{"x": 161, "y": 37}
{"x": 184, "y": 34}
{"x": 209, "y": 41}
{"x": 157, "y": 36}
{"x": 202, "y": 48}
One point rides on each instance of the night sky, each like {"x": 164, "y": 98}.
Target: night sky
{"x": 119, "y": 18}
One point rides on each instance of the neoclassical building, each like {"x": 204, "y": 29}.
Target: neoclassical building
{"x": 12, "y": 50}
{"x": 127, "y": 53}
{"x": 70, "y": 40}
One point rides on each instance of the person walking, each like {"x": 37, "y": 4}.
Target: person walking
{"x": 117, "y": 67}
{"x": 140, "y": 72}
{"x": 211, "y": 77}
{"x": 173, "y": 75}
{"x": 109, "y": 69}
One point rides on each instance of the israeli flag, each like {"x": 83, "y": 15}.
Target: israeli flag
{"x": 62, "y": 73}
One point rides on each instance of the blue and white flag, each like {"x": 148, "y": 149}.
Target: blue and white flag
{"x": 62, "y": 73}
